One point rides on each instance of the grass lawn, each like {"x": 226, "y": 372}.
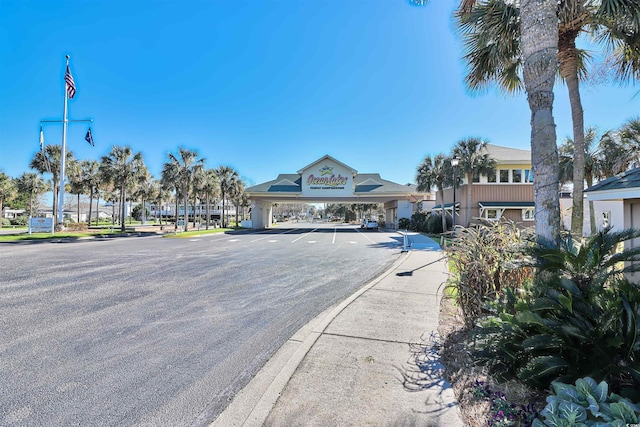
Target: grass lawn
{"x": 42, "y": 236}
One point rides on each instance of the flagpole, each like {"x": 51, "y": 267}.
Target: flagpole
{"x": 63, "y": 156}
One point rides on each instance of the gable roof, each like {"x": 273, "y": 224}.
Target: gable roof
{"x": 284, "y": 183}
{"x": 624, "y": 181}
{"x": 508, "y": 155}
{"x": 328, "y": 157}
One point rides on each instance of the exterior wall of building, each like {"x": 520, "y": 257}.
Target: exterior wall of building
{"x": 632, "y": 220}
{"x": 489, "y": 193}
{"x": 607, "y": 212}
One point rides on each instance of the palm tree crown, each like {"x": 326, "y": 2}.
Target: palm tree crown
{"x": 121, "y": 167}
{"x": 474, "y": 161}
{"x": 491, "y": 29}
{"x": 181, "y": 169}
{"x": 436, "y": 172}
{"x": 227, "y": 177}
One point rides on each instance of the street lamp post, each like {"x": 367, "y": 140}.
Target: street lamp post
{"x": 454, "y": 162}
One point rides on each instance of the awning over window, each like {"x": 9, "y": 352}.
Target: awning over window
{"x": 506, "y": 205}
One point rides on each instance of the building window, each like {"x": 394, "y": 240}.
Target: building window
{"x": 476, "y": 176}
{"x": 516, "y": 175}
{"x": 527, "y": 214}
{"x": 504, "y": 175}
{"x": 492, "y": 214}
{"x": 528, "y": 175}
{"x": 491, "y": 176}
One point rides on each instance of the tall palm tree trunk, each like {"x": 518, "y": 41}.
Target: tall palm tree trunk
{"x": 443, "y": 217}
{"x": 97, "y": 209}
{"x": 186, "y": 210}
{"x": 177, "y": 207}
{"x": 224, "y": 224}
{"x": 469, "y": 199}
{"x": 568, "y": 59}
{"x": 122, "y": 212}
{"x": 539, "y": 37}
{"x": 90, "y": 207}
{"x": 207, "y": 212}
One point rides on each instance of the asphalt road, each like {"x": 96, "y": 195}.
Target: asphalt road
{"x": 153, "y": 331}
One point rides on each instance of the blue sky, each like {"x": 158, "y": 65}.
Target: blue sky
{"x": 266, "y": 87}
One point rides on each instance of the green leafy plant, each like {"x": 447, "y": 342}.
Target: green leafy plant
{"x": 582, "y": 319}
{"x": 486, "y": 260}
{"x": 586, "y": 403}
{"x": 404, "y": 223}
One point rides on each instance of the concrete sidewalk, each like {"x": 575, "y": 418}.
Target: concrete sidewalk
{"x": 369, "y": 361}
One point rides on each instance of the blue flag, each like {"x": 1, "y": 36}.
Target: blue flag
{"x": 89, "y": 138}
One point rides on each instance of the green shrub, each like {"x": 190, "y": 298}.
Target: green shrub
{"x": 21, "y": 221}
{"x": 581, "y": 319}
{"x": 404, "y": 223}
{"x": 486, "y": 260}
{"x": 6, "y": 222}
{"x": 586, "y": 404}
{"x": 136, "y": 212}
{"x": 434, "y": 224}
{"x": 419, "y": 222}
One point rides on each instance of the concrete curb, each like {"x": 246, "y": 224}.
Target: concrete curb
{"x": 252, "y": 405}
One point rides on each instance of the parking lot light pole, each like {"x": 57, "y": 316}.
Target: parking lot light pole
{"x": 454, "y": 162}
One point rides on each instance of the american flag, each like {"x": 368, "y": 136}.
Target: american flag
{"x": 71, "y": 86}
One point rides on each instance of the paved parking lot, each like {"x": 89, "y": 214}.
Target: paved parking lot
{"x": 163, "y": 331}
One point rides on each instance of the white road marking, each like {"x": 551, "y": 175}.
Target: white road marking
{"x": 335, "y": 230}
{"x": 352, "y": 242}
{"x": 269, "y": 231}
{"x": 273, "y": 241}
{"x": 313, "y": 241}
{"x": 364, "y": 235}
{"x": 234, "y": 240}
{"x": 304, "y": 235}
{"x": 194, "y": 240}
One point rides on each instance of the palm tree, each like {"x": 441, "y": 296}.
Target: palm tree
{"x": 614, "y": 156}
{"x": 493, "y": 44}
{"x": 605, "y": 156}
{"x": 121, "y": 167}
{"x": 436, "y": 172}
{"x": 76, "y": 182}
{"x": 227, "y": 177}
{"x": 7, "y": 190}
{"x": 181, "y": 169}
{"x": 144, "y": 191}
{"x": 48, "y": 161}
{"x": 32, "y": 184}
{"x": 474, "y": 161}
{"x": 211, "y": 190}
{"x": 197, "y": 192}
{"x": 91, "y": 177}
{"x": 592, "y": 167}
{"x": 163, "y": 194}
{"x": 630, "y": 137}
{"x": 236, "y": 194}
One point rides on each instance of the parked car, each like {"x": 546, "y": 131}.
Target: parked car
{"x": 369, "y": 224}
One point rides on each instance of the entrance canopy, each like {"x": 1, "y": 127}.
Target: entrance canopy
{"x": 329, "y": 180}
